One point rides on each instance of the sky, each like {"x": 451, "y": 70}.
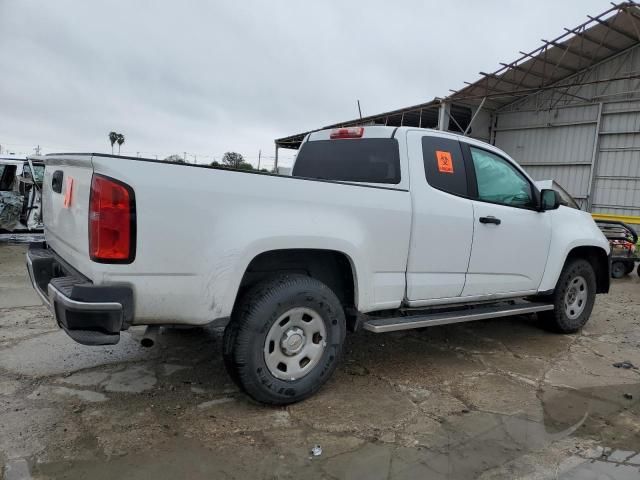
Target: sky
{"x": 207, "y": 77}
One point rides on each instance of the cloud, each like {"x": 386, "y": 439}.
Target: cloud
{"x": 207, "y": 77}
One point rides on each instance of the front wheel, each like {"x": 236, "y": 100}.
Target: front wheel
{"x": 285, "y": 339}
{"x": 573, "y": 297}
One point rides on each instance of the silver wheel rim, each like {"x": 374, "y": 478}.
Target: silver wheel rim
{"x": 295, "y": 343}
{"x": 575, "y": 298}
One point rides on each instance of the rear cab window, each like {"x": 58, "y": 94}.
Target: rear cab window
{"x": 366, "y": 160}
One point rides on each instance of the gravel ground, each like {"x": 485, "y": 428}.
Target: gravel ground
{"x": 492, "y": 399}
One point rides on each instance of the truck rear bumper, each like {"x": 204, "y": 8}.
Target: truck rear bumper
{"x": 90, "y": 314}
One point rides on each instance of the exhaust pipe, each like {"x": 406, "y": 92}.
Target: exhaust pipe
{"x": 150, "y": 336}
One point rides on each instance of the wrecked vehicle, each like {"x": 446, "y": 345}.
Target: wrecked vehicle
{"x": 378, "y": 228}
{"x": 20, "y": 194}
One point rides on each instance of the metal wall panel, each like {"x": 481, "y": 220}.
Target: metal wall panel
{"x": 575, "y": 175}
{"x": 623, "y": 164}
{"x": 615, "y": 122}
{"x": 558, "y": 142}
{"x": 558, "y": 145}
{"x": 617, "y": 177}
{"x": 566, "y": 114}
{"x": 619, "y": 142}
{"x": 617, "y": 195}
{"x": 559, "y": 153}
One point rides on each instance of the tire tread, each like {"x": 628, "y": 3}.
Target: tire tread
{"x": 556, "y": 319}
{"x": 245, "y": 325}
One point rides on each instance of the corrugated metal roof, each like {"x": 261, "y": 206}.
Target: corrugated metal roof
{"x": 554, "y": 65}
{"x": 393, "y": 118}
{"x": 557, "y": 60}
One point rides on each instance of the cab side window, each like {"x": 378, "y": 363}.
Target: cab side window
{"x": 498, "y": 181}
{"x": 444, "y": 165}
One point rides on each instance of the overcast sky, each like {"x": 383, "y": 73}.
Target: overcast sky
{"x": 208, "y": 77}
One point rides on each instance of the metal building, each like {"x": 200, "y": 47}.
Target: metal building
{"x": 569, "y": 111}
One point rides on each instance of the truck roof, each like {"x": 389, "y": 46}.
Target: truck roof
{"x": 383, "y": 131}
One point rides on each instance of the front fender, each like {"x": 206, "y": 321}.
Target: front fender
{"x": 570, "y": 229}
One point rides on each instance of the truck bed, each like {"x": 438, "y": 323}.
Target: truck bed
{"x": 198, "y": 227}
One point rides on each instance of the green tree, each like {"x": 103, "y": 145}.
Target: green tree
{"x": 120, "y": 141}
{"x": 113, "y": 138}
{"x": 244, "y": 166}
{"x": 174, "y": 158}
{"x": 232, "y": 159}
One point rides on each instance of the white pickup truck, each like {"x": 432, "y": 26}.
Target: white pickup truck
{"x": 377, "y": 227}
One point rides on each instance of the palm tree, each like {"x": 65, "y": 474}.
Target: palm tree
{"x": 113, "y": 138}
{"x": 120, "y": 141}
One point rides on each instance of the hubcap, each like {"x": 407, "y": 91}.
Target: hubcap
{"x": 295, "y": 343}
{"x": 575, "y": 298}
{"x": 293, "y": 340}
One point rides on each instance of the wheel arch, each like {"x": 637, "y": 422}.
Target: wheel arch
{"x": 334, "y": 268}
{"x": 599, "y": 260}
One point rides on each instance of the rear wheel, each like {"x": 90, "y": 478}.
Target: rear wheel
{"x": 285, "y": 339}
{"x": 573, "y": 297}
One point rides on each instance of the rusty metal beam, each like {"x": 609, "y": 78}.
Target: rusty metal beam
{"x": 571, "y": 50}
{"x": 589, "y": 38}
{"x": 634, "y": 23}
{"x": 568, "y": 69}
{"x": 500, "y": 79}
{"x": 524, "y": 70}
{"x": 527, "y": 91}
{"x": 615, "y": 29}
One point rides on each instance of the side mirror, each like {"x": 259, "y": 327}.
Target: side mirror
{"x": 549, "y": 199}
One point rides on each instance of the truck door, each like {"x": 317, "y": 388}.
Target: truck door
{"x": 442, "y": 222}
{"x": 511, "y": 238}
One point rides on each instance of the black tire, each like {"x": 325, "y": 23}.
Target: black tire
{"x": 638, "y": 271}
{"x": 255, "y": 314}
{"x": 618, "y": 269}
{"x": 630, "y": 266}
{"x": 558, "y": 319}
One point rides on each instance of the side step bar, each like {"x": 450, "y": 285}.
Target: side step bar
{"x": 381, "y": 325}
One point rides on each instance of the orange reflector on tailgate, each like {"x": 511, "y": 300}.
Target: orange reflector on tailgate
{"x": 68, "y": 192}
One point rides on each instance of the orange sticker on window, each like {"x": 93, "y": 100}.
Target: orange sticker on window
{"x": 445, "y": 163}
{"x": 68, "y": 192}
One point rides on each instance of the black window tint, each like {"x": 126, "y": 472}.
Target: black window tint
{"x": 371, "y": 160}
{"x": 7, "y": 175}
{"x": 444, "y": 165}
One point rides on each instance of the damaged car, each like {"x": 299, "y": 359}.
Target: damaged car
{"x": 20, "y": 194}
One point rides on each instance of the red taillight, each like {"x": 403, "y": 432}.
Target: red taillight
{"x": 112, "y": 222}
{"x": 349, "y": 132}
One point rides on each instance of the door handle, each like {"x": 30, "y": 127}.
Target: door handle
{"x": 490, "y": 219}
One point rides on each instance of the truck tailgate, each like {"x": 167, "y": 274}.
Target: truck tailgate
{"x": 66, "y": 189}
